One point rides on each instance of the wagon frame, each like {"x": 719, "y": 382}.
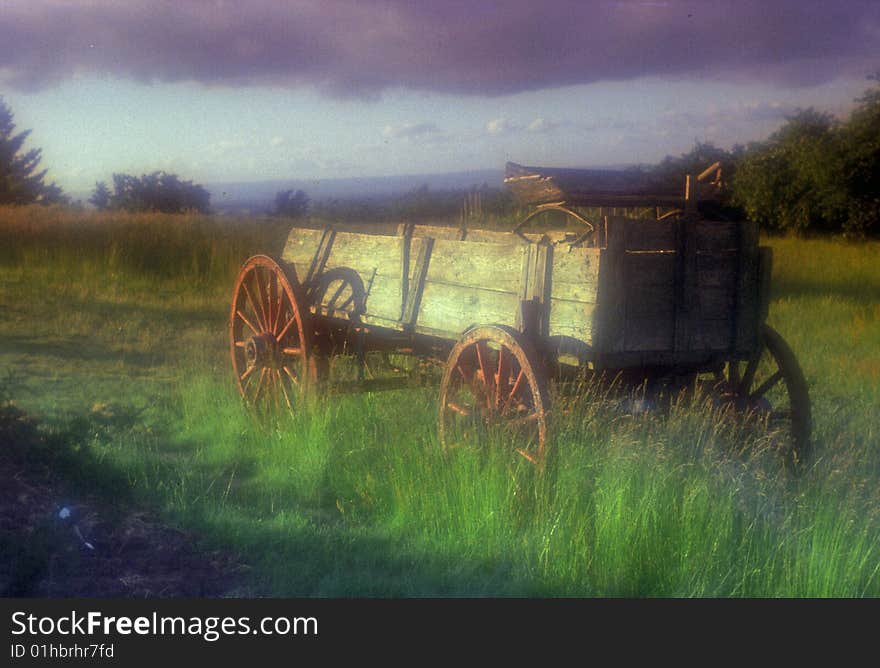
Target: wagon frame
{"x": 671, "y": 296}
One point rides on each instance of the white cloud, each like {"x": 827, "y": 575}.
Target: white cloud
{"x": 541, "y": 125}
{"x": 501, "y": 126}
{"x": 410, "y": 130}
{"x": 277, "y": 140}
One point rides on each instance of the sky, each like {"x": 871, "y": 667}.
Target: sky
{"x": 226, "y": 90}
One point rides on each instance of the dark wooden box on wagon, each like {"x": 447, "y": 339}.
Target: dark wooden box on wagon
{"x": 677, "y": 293}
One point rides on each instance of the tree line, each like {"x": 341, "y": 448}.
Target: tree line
{"x": 816, "y": 173}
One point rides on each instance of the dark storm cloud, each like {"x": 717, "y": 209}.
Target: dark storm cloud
{"x": 357, "y": 47}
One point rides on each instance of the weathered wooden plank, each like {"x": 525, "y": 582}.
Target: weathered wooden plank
{"x": 644, "y": 301}
{"x": 575, "y": 274}
{"x": 611, "y": 298}
{"x": 711, "y": 335}
{"x": 378, "y": 260}
{"x": 573, "y": 319}
{"x": 300, "y": 248}
{"x": 650, "y": 269}
{"x": 450, "y": 309}
{"x": 747, "y": 313}
{"x": 714, "y": 235}
{"x": 649, "y": 333}
{"x": 717, "y": 269}
{"x": 421, "y": 249}
{"x": 685, "y": 282}
{"x": 765, "y": 269}
{"x": 496, "y": 267}
{"x": 650, "y": 235}
{"x": 715, "y": 303}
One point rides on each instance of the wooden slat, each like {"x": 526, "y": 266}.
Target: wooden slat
{"x": 611, "y": 298}
{"x": 713, "y": 235}
{"x": 712, "y": 335}
{"x": 496, "y": 267}
{"x": 685, "y": 283}
{"x": 450, "y": 309}
{"x": 651, "y": 235}
{"x": 573, "y": 319}
{"x": 575, "y": 274}
{"x": 649, "y": 333}
{"x": 378, "y": 260}
{"x": 717, "y": 269}
{"x": 715, "y": 303}
{"x": 650, "y": 269}
{"x": 421, "y": 249}
{"x": 644, "y": 301}
{"x": 300, "y": 248}
{"x": 747, "y": 315}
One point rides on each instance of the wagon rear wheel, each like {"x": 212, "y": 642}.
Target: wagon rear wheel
{"x": 770, "y": 387}
{"x": 269, "y": 343}
{"x": 494, "y": 387}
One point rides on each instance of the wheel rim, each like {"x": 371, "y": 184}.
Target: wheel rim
{"x": 770, "y": 389}
{"x": 492, "y": 387}
{"x": 268, "y": 343}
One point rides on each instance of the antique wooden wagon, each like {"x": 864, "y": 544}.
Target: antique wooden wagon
{"x": 667, "y": 297}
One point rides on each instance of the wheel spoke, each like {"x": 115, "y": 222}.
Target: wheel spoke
{"x": 733, "y": 373}
{"x": 248, "y": 323}
{"x": 283, "y": 390}
{"x": 332, "y": 300}
{"x": 291, "y": 375}
{"x": 292, "y": 351}
{"x": 263, "y": 300}
{"x": 482, "y": 358}
{"x": 253, "y": 304}
{"x": 767, "y": 385}
{"x": 247, "y": 373}
{"x": 260, "y": 384}
{"x": 513, "y": 390}
{"x": 525, "y": 419}
{"x": 455, "y": 408}
{"x": 281, "y": 334}
{"x": 749, "y": 375}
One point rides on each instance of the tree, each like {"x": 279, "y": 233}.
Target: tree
{"x": 291, "y": 205}
{"x": 792, "y": 181}
{"x": 21, "y": 181}
{"x": 100, "y": 196}
{"x": 158, "y": 191}
{"x": 860, "y": 162}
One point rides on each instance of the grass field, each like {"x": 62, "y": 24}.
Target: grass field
{"x": 113, "y": 332}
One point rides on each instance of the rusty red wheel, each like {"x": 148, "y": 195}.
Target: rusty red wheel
{"x": 493, "y": 387}
{"x": 268, "y": 342}
{"x": 770, "y": 389}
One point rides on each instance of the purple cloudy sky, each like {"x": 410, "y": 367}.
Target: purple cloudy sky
{"x": 360, "y": 87}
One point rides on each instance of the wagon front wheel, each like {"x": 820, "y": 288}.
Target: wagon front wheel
{"x": 268, "y": 341}
{"x": 493, "y": 387}
{"x": 771, "y": 388}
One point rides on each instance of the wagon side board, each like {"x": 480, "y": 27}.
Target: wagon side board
{"x": 658, "y": 292}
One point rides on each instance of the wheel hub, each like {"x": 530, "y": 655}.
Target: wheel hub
{"x": 261, "y": 350}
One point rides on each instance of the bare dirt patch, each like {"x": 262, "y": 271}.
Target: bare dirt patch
{"x": 59, "y": 541}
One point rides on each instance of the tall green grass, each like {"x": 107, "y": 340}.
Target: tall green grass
{"x": 354, "y": 497}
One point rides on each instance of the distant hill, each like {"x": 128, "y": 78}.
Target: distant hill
{"x": 257, "y": 196}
